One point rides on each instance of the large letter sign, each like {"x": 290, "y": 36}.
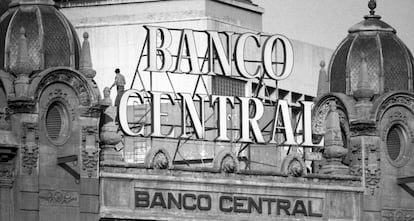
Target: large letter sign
{"x": 236, "y": 119}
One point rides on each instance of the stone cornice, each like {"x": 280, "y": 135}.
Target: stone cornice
{"x": 325, "y": 183}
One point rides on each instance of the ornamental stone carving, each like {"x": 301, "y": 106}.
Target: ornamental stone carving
{"x": 362, "y": 128}
{"x": 397, "y": 215}
{"x": 398, "y": 117}
{"x": 333, "y": 150}
{"x": 372, "y": 178}
{"x": 6, "y": 171}
{"x": 365, "y": 153}
{"x": 228, "y": 164}
{"x": 5, "y": 119}
{"x": 295, "y": 168}
{"x": 60, "y": 95}
{"x": 30, "y": 155}
{"x": 226, "y": 161}
{"x": 109, "y": 131}
{"x": 30, "y": 148}
{"x": 158, "y": 158}
{"x": 372, "y": 160}
{"x": 160, "y": 161}
{"x": 356, "y": 157}
{"x": 90, "y": 161}
{"x": 398, "y": 99}
{"x": 321, "y": 112}
{"x": 76, "y": 82}
{"x": 294, "y": 165}
{"x": 58, "y": 197}
{"x": 90, "y": 150}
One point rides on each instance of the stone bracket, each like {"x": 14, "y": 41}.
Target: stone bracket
{"x": 402, "y": 182}
{"x": 62, "y": 162}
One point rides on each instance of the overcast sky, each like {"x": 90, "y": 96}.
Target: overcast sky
{"x": 326, "y": 22}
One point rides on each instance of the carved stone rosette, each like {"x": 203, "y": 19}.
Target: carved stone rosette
{"x": 90, "y": 151}
{"x": 158, "y": 158}
{"x": 30, "y": 148}
{"x": 59, "y": 197}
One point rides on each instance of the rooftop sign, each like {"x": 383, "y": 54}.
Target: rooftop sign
{"x": 222, "y": 48}
{"x": 233, "y": 45}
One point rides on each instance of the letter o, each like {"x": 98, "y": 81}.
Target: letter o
{"x": 287, "y": 60}
{"x": 208, "y": 200}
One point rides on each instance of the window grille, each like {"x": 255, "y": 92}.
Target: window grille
{"x": 54, "y": 122}
{"x": 394, "y": 142}
{"x": 228, "y": 86}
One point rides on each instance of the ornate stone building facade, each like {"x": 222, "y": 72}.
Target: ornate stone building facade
{"x": 371, "y": 81}
{"x": 49, "y": 117}
{"x": 59, "y": 158}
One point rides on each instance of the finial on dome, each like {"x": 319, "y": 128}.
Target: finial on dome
{"x": 85, "y": 64}
{"x": 372, "y": 4}
{"x": 323, "y": 80}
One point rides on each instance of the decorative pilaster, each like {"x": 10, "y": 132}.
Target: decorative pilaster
{"x": 30, "y": 149}
{"x": 90, "y": 152}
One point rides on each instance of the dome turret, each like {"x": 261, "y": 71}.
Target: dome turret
{"x": 389, "y": 62}
{"x": 51, "y": 39}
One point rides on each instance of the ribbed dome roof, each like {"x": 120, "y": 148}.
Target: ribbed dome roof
{"x": 51, "y": 39}
{"x": 390, "y": 63}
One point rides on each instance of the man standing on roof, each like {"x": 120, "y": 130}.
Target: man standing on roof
{"x": 120, "y": 86}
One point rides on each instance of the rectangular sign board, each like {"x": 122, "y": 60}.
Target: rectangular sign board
{"x": 257, "y": 205}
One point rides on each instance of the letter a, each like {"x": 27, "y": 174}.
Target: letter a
{"x": 282, "y": 107}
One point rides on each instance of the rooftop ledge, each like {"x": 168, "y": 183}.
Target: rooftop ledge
{"x": 121, "y": 170}
{"x": 84, "y": 3}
